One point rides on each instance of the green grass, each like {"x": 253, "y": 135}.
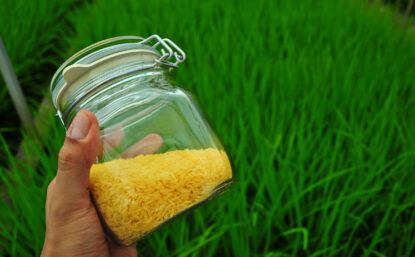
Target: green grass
{"x": 313, "y": 99}
{"x": 31, "y": 32}
{"x": 22, "y": 218}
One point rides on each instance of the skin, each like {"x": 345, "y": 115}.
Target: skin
{"x": 72, "y": 224}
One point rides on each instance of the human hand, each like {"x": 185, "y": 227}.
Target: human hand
{"x": 73, "y": 227}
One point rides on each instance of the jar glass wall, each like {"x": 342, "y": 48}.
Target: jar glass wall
{"x": 158, "y": 156}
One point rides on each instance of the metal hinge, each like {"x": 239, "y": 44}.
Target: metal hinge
{"x": 165, "y": 45}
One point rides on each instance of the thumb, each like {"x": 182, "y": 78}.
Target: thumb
{"x": 76, "y": 156}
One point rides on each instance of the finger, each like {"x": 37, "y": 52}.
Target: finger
{"x": 149, "y": 144}
{"x": 76, "y": 157}
{"x": 49, "y": 194}
{"x": 110, "y": 142}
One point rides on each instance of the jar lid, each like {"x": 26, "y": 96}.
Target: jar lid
{"x": 108, "y": 54}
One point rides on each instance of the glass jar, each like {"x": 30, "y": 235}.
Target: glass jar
{"x": 158, "y": 156}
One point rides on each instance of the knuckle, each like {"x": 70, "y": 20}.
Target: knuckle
{"x": 65, "y": 212}
{"x": 66, "y": 159}
{"x": 59, "y": 211}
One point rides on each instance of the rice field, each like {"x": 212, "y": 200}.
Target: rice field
{"x": 31, "y": 33}
{"x": 315, "y": 101}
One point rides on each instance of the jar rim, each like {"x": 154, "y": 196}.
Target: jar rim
{"x": 94, "y": 53}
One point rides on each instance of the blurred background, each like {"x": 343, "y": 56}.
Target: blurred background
{"x": 315, "y": 100}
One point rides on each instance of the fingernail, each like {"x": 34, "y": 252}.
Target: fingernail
{"x": 79, "y": 127}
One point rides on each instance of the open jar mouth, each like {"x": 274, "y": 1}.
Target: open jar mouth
{"x": 106, "y": 61}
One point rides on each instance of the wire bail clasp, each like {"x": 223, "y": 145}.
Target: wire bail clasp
{"x": 166, "y": 51}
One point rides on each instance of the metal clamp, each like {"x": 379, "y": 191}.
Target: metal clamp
{"x": 166, "y": 51}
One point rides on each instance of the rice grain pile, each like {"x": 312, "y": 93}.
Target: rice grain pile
{"x": 136, "y": 195}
